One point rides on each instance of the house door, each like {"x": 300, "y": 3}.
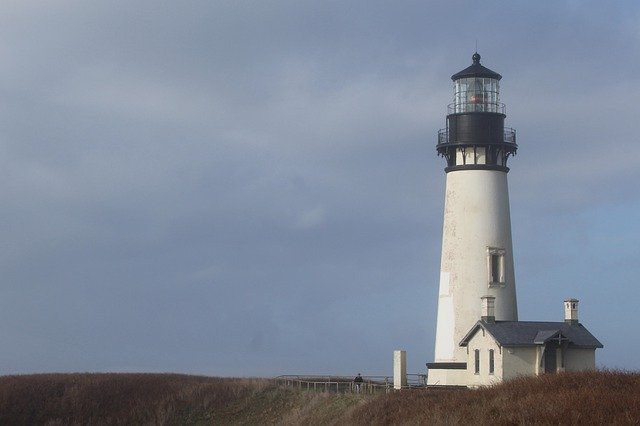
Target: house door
{"x": 550, "y": 358}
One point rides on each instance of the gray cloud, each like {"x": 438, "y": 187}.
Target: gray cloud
{"x": 251, "y": 188}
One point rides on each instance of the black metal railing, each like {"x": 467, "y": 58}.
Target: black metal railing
{"x": 462, "y": 107}
{"x": 345, "y": 384}
{"x": 509, "y": 136}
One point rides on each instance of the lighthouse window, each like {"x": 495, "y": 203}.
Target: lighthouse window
{"x": 495, "y": 266}
{"x": 491, "y": 361}
{"x": 477, "y": 361}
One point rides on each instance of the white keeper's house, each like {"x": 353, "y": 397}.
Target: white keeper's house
{"x": 479, "y": 340}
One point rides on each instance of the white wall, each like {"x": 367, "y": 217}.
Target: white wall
{"x": 579, "y": 359}
{"x": 447, "y": 377}
{"x": 519, "y": 362}
{"x": 483, "y": 342}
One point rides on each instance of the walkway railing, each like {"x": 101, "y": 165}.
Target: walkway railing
{"x": 345, "y": 384}
{"x": 462, "y": 107}
{"x": 509, "y": 136}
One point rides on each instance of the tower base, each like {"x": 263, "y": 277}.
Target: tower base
{"x": 447, "y": 374}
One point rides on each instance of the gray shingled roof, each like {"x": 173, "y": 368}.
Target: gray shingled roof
{"x": 530, "y": 333}
{"x": 545, "y": 335}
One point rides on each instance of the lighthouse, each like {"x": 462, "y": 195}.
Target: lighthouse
{"x": 477, "y": 255}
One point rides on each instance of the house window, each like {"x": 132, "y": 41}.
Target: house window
{"x": 491, "y": 361}
{"x": 477, "y": 363}
{"x": 495, "y": 266}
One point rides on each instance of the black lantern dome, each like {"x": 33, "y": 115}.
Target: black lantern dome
{"x": 476, "y": 70}
{"x": 475, "y": 137}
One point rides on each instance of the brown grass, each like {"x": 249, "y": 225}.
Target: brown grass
{"x": 79, "y": 399}
{"x": 604, "y": 397}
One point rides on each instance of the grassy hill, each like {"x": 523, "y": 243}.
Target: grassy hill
{"x": 66, "y": 399}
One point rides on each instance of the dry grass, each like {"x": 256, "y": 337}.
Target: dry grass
{"x": 154, "y": 399}
{"x": 604, "y": 397}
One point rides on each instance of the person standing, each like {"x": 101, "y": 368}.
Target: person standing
{"x": 358, "y": 382}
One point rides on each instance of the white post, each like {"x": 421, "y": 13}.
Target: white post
{"x": 399, "y": 369}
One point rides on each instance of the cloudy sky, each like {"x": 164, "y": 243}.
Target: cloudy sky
{"x": 245, "y": 188}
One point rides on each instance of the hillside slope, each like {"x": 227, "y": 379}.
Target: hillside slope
{"x": 597, "y": 397}
{"x": 57, "y": 399}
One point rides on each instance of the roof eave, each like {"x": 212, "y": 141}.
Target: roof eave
{"x": 465, "y": 340}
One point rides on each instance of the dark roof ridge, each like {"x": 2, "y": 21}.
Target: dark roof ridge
{"x": 533, "y": 322}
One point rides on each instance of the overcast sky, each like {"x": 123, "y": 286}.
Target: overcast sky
{"x": 242, "y": 188}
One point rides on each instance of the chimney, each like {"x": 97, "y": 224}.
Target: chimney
{"x": 571, "y": 311}
{"x": 488, "y": 309}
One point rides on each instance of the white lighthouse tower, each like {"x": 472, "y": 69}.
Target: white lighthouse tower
{"x": 477, "y": 254}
